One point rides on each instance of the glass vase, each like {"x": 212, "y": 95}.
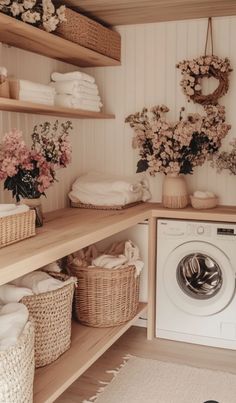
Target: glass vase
{"x": 35, "y": 204}
{"x": 174, "y": 191}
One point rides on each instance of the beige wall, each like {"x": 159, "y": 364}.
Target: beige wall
{"x": 146, "y": 77}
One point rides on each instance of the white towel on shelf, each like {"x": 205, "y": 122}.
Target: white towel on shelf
{"x": 108, "y": 190}
{"x": 12, "y": 209}
{"x": 39, "y": 282}
{"x": 37, "y": 88}
{"x": 31, "y": 96}
{"x": 73, "y": 75}
{"x": 13, "y": 318}
{"x": 12, "y": 293}
{"x": 72, "y": 87}
{"x": 68, "y": 101}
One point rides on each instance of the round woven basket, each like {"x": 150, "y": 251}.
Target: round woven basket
{"x": 105, "y": 297}
{"x": 51, "y": 312}
{"x": 17, "y": 369}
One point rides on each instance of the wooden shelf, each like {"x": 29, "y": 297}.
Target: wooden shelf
{"x": 13, "y": 105}
{"x": 25, "y": 36}
{"x": 88, "y": 344}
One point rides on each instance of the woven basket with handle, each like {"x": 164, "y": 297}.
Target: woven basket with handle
{"x": 17, "y": 369}
{"x": 51, "y": 312}
{"x": 105, "y": 297}
{"x": 90, "y": 34}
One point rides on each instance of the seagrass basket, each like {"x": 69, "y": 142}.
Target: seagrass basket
{"x": 105, "y": 297}
{"x": 17, "y": 369}
{"x": 17, "y": 227}
{"x": 51, "y": 312}
{"x": 90, "y": 34}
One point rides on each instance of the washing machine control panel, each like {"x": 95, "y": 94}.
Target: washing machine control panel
{"x": 199, "y": 229}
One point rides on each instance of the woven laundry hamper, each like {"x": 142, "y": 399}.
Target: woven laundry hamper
{"x": 17, "y": 369}
{"x": 51, "y": 312}
{"x": 105, "y": 297}
{"x": 90, "y": 34}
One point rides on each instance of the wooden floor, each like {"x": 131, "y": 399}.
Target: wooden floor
{"x": 134, "y": 342}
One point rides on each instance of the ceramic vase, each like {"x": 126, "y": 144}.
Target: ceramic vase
{"x": 174, "y": 191}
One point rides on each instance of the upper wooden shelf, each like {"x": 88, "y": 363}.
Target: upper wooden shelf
{"x": 13, "y": 105}
{"x": 21, "y": 35}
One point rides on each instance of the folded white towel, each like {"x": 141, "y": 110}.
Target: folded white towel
{"x": 13, "y": 318}
{"x": 203, "y": 195}
{"x": 37, "y": 88}
{"x": 69, "y": 101}
{"x": 5, "y": 211}
{"x": 12, "y": 293}
{"x": 73, "y": 75}
{"x": 103, "y": 189}
{"x": 51, "y": 267}
{"x": 72, "y": 87}
{"x": 39, "y": 282}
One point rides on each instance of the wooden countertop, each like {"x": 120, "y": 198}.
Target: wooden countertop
{"x": 71, "y": 229}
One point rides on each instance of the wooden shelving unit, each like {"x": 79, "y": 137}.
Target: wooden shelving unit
{"x": 21, "y": 35}
{"x": 88, "y": 344}
{"x": 12, "y": 105}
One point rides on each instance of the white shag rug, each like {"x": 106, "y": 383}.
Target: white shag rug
{"x": 149, "y": 381}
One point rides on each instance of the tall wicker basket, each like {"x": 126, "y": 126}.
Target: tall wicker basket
{"x": 17, "y": 369}
{"x": 105, "y": 297}
{"x": 90, "y": 34}
{"x": 52, "y": 312}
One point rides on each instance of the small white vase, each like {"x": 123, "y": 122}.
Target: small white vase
{"x": 174, "y": 191}
{"x": 35, "y": 204}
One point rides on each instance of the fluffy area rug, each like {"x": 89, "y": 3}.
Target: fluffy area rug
{"x": 149, "y": 381}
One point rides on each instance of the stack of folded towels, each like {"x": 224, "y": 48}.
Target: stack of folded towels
{"x": 32, "y": 92}
{"x": 76, "y": 90}
{"x": 100, "y": 189}
{"x": 12, "y": 209}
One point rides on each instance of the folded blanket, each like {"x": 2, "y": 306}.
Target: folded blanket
{"x": 13, "y": 318}
{"x": 73, "y": 75}
{"x": 12, "y": 209}
{"x": 72, "y": 87}
{"x": 37, "y": 88}
{"x": 36, "y": 97}
{"x": 69, "y": 101}
{"x": 12, "y": 293}
{"x": 108, "y": 190}
{"x": 40, "y": 282}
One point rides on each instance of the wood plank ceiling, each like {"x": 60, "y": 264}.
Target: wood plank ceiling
{"x": 122, "y": 12}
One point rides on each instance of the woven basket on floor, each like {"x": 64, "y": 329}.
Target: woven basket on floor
{"x": 51, "y": 312}
{"x": 90, "y": 34}
{"x": 16, "y": 227}
{"x": 17, "y": 369}
{"x": 105, "y": 297}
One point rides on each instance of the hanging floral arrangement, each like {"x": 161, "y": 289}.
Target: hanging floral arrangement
{"x": 176, "y": 147}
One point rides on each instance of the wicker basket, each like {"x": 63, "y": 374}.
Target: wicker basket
{"x": 90, "y": 34}
{"x": 105, "y": 297}
{"x": 51, "y": 312}
{"x": 203, "y": 203}
{"x": 17, "y": 369}
{"x": 16, "y": 227}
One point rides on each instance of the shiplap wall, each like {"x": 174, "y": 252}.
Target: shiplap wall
{"x": 147, "y": 76}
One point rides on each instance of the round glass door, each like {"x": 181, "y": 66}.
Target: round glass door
{"x": 199, "y": 276}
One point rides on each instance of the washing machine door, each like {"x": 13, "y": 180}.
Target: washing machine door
{"x": 199, "y": 278}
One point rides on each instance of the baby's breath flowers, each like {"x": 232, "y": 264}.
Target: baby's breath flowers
{"x": 40, "y": 13}
{"x": 176, "y": 147}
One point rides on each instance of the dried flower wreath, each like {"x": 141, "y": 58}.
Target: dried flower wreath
{"x": 193, "y": 71}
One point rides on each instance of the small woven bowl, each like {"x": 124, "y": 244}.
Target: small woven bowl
{"x": 203, "y": 203}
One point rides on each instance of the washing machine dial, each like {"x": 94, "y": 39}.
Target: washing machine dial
{"x": 200, "y": 230}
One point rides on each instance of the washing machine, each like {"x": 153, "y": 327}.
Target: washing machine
{"x": 195, "y": 290}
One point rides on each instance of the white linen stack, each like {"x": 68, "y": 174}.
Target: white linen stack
{"x": 108, "y": 190}
{"x": 34, "y": 92}
{"x": 76, "y": 90}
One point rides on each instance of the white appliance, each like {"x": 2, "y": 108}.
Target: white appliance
{"x": 195, "y": 291}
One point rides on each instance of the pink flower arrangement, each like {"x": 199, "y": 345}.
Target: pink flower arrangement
{"x": 29, "y": 172}
{"x": 176, "y": 147}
